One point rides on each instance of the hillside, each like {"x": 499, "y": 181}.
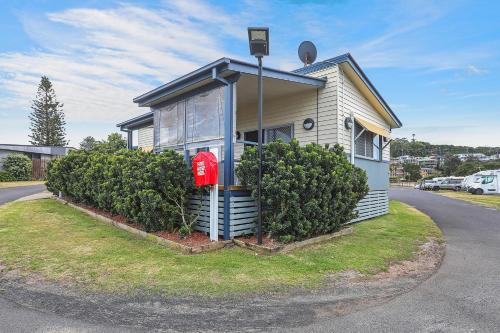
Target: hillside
{"x": 420, "y": 148}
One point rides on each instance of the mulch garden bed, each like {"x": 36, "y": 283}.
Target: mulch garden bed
{"x": 266, "y": 241}
{"x": 197, "y": 240}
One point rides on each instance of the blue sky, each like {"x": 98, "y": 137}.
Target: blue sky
{"x": 436, "y": 63}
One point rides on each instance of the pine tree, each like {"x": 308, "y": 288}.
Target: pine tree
{"x": 47, "y": 117}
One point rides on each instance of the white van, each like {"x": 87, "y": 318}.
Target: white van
{"x": 469, "y": 180}
{"x": 487, "y": 184}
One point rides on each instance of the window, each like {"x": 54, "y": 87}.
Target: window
{"x": 488, "y": 179}
{"x": 171, "y": 124}
{"x": 204, "y": 114}
{"x": 283, "y": 133}
{"x": 366, "y": 144}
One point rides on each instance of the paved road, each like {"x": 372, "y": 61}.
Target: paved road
{"x": 13, "y": 193}
{"x": 463, "y": 296}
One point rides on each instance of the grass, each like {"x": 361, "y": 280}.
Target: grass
{"x": 63, "y": 244}
{"x": 492, "y": 201}
{"x": 20, "y": 183}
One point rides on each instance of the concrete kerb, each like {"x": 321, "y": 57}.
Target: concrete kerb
{"x": 37, "y": 196}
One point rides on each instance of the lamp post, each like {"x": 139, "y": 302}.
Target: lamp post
{"x": 258, "y": 39}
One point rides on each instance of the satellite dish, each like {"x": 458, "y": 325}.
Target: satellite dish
{"x": 307, "y": 52}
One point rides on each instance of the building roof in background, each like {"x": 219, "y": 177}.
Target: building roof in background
{"x": 46, "y": 150}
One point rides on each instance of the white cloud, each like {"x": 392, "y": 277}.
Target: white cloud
{"x": 473, "y": 70}
{"x": 106, "y": 57}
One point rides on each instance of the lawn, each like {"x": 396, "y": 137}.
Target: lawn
{"x": 63, "y": 244}
{"x": 492, "y": 201}
{"x": 20, "y": 183}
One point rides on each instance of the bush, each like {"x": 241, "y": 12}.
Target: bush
{"x": 306, "y": 191}
{"x": 5, "y": 176}
{"x": 17, "y": 166}
{"x": 149, "y": 189}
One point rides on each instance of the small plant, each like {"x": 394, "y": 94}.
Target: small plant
{"x": 17, "y": 166}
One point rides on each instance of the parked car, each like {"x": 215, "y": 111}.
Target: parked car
{"x": 449, "y": 183}
{"x": 487, "y": 184}
{"x": 428, "y": 184}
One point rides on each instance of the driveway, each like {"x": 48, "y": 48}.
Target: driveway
{"x": 463, "y": 296}
{"x": 14, "y": 193}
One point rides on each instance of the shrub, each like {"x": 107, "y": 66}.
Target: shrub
{"x": 306, "y": 191}
{"x": 18, "y": 166}
{"x": 5, "y": 176}
{"x": 149, "y": 189}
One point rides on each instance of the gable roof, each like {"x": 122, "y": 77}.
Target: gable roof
{"x": 348, "y": 59}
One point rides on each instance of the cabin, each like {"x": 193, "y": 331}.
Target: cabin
{"x": 327, "y": 102}
{"x": 39, "y": 155}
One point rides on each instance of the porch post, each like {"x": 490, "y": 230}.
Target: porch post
{"x": 228, "y": 150}
{"x": 129, "y": 139}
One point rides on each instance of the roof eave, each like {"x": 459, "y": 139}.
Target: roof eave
{"x": 136, "y": 122}
{"x": 348, "y": 58}
{"x": 223, "y": 66}
{"x": 374, "y": 90}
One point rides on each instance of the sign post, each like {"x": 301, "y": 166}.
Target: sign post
{"x": 206, "y": 173}
{"x": 214, "y": 205}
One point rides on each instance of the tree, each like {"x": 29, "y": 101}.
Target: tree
{"x": 114, "y": 143}
{"x": 450, "y": 165}
{"x": 412, "y": 172}
{"x": 88, "y": 143}
{"x": 468, "y": 168}
{"x": 47, "y": 117}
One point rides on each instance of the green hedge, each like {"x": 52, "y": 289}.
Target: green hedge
{"x": 5, "y": 176}
{"x": 149, "y": 189}
{"x": 306, "y": 191}
{"x": 16, "y": 167}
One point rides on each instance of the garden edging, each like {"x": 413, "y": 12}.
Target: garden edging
{"x": 262, "y": 249}
{"x": 184, "y": 249}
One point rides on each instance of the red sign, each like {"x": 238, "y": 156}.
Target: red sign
{"x": 205, "y": 168}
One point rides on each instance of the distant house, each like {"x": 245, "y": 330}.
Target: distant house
{"x": 473, "y": 156}
{"x": 39, "y": 155}
{"x": 329, "y": 102}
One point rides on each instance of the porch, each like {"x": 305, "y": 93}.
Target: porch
{"x": 216, "y": 107}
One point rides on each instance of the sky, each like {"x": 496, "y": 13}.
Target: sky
{"x": 437, "y": 64}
